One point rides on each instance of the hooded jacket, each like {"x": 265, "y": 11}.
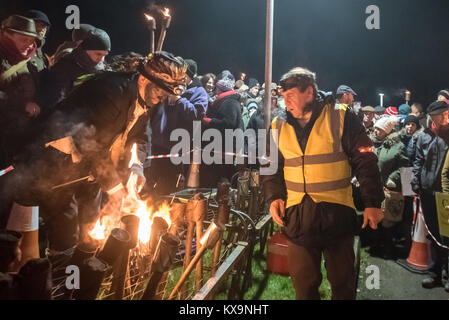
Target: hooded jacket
{"x": 392, "y": 157}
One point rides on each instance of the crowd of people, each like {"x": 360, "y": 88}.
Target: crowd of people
{"x": 77, "y": 113}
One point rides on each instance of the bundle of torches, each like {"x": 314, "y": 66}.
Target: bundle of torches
{"x": 154, "y": 235}
{"x": 164, "y": 26}
{"x": 132, "y": 205}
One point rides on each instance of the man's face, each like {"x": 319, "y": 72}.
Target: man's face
{"x": 296, "y": 100}
{"x": 23, "y": 42}
{"x": 255, "y": 90}
{"x": 150, "y": 92}
{"x": 410, "y": 128}
{"x": 97, "y": 56}
{"x": 440, "y": 119}
{"x": 41, "y": 29}
{"x": 415, "y": 111}
{"x": 368, "y": 117}
{"x": 348, "y": 98}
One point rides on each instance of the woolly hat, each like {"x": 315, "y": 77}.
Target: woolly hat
{"x": 98, "y": 40}
{"x": 37, "y": 15}
{"x": 405, "y": 109}
{"x": 412, "y": 118}
{"x": 226, "y": 81}
{"x": 252, "y": 83}
{"x": 392, "y": 111}
{"x": 386, "y": 124}
{"x": 84, "y": 32}
{"x": 252, "y": 105}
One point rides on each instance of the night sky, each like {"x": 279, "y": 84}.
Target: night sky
{"x": 410, "y": 51}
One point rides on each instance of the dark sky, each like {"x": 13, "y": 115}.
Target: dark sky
{"x": 410, "y": 51}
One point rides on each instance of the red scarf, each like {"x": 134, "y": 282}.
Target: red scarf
{"x": 225, "y": 94}
{"x": 9, "y": 49}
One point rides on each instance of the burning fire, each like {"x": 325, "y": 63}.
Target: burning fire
{"x": 133, "y": 205}
{"x": 148, "y": 17}
{"x": 97, "y": 232}
{"x": 166, "y": 12}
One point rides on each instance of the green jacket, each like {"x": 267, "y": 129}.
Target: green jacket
{"x": 392, "y": 157}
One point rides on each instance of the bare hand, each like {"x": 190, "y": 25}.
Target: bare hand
{"x": 372, "y": 216}
{"x": 277, "y": 211}
{"x": 32, "y": 109}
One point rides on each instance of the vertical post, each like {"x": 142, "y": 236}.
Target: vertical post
{"x": 268, "y": 61}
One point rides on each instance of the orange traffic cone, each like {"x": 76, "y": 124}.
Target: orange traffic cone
{"x": 419, "y": 259}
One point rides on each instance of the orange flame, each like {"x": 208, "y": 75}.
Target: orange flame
{"x": 148, "y": 17}
{"x": 140, "y": 208}
{"x": 166, "y": 12}
{"x": 97, "y": 232}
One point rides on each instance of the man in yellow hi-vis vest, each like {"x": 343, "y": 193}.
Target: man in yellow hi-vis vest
{"x": 320, "y": 148}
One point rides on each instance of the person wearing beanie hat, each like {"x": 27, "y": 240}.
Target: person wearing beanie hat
{"x": 224, "y": 113}
{"x": 254, "y": 87}
{"x": 39, "y": 63}
{"x": 431, "y": 150}
{"x": 383, "y": 127}
{"x": 391, "y": 156}
{"x": 97, "y": 125}
{"x": 86, "y": 59}
{"x": 225, "y": 82}
{"x": 192, "y": 69}
{"x": 443, "y": 95}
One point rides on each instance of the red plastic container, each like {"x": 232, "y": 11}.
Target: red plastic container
{"x": 277, "y": 258}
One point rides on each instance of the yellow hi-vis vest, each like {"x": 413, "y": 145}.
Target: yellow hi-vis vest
{"x": 323, "y": 171}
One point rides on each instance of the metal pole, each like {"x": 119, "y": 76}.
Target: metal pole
{"x": 268, "y": 62}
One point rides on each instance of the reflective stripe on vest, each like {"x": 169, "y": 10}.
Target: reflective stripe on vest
{"x": 323, "y": 171}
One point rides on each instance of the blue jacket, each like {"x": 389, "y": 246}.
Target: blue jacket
{"x": 191, "y": 107}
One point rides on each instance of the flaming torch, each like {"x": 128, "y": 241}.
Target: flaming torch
{"x": 243, "y": 76}
{"x": 407, "y": 96}
{"x": 165, "y": 25}
{"x": 152, "y": 29}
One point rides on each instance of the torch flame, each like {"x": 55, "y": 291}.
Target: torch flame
{"x": 97, "y": 232}
{"x": 206, "y": 236}
{"x": 140, "y": 208}
{"x": 148, "y": 17}
{"x": 166, "y": 12}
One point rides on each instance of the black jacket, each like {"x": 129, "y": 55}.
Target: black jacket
{"x": 226, "y": 113}
{"x": 429, "y": 159}
{"x": 59, "y": 81}
{"x": 94, "y": 114}
{"x": 313, "y": 224}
